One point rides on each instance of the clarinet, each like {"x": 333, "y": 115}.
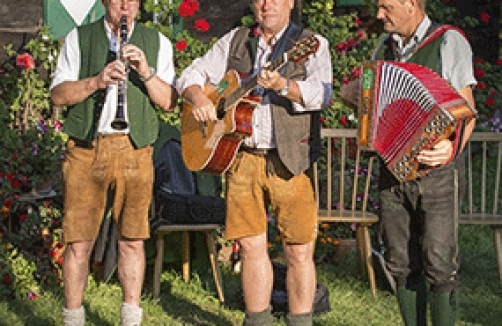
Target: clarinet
{"x": 119, "y": 122}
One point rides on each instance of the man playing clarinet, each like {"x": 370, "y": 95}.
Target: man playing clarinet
{"x": 102, "y": 77}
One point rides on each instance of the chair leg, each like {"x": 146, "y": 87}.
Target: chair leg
{"x": 498, "y": 247}
{"x": 185, "y": 253}
{"x": 369, "y": 260}
{"x": 158, "y": 264}
{"x": 360, "y": 248}
{"x": 213, "y": 258}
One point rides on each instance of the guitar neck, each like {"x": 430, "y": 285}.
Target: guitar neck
{"x": 239, "y": 93}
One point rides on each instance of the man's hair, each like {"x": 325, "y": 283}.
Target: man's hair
{"x": 420, "y": 3}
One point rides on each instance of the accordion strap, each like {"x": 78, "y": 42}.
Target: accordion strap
{"x": 438, "y": 31}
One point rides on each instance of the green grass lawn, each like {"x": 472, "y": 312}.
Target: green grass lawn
{"x": 196, "y": 303}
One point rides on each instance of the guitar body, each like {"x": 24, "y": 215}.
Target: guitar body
{"x": 212, "y": 146}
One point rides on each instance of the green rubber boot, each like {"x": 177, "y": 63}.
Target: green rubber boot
{"x": 413, "y": 304}
{"x": 443, "y": 308}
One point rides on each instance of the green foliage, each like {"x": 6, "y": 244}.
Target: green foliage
{"x": 349, "y": 46}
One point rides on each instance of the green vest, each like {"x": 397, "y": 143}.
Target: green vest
{"x": 82, "y": 119}
{"x": 422, "y": 56}
{"x": 297, "y": 135}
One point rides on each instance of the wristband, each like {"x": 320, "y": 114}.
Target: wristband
{"x": 152, "y": 73}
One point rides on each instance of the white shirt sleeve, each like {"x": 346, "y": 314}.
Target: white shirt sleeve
{"x": 68, "y": 65}
{"x": 208, "y": 69}
{"x": 456, "y": 60}
{"x": 316, "y": 88}
{"x": 165, "y": 64}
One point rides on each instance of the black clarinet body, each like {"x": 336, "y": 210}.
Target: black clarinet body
{"x": 119, "y": 123}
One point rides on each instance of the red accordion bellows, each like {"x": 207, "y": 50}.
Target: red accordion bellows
{"x": 404, "y": 108}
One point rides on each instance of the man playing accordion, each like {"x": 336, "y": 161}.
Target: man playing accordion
{"x": 418, "y": 223}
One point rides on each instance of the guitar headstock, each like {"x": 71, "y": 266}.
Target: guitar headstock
{"x": 302, "y": 49}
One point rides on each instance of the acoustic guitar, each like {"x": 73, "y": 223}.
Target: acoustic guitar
{"x": 211, "y": 146}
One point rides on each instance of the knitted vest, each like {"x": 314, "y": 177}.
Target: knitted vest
{"x": 82, "y": 119}
{"x": 297, "y": 135}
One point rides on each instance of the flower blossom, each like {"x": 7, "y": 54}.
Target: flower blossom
{"x": 57, "y": 125}
{"x": 479, "y": 73}
{"x": 181, "y": 45}
{"x": 42, "y": 127}
{"x": 188, "y": 8}
{"x": 484, "y": 17}
{"x": 25, "y": 60}
{"x": 201, "y": 24}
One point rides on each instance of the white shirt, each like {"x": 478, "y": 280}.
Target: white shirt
{"x": 316, "y": 88}
{"x": 455, "y": 55}
{"x": 68, "y": 69}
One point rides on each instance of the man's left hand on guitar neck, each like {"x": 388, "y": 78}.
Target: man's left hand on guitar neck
{"x": 273, "y": 80}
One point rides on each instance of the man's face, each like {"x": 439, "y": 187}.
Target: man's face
{"x": 272, "y": 15}
{"x": 115, "y": 9}
{"x": 395, "y": 15}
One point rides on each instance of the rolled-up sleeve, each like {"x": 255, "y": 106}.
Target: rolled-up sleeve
{"x": 68, "y": 65}
{"x": 208, "y": 69}
{"x": 316, "y": 88}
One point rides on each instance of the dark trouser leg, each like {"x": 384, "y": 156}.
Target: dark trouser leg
{"x": 401, "y": 231}
{"x": 440, "y": 245}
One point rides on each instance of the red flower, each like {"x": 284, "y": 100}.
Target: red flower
{"x": 188, "y": 8}
{"x": 358, "y": 21}
{"x": 7, "y": 203}
{"x": 14, "y": 157}
{"x": 485, "y": 18}
{"x": 16, "y": 184}
{"x": 479, "y": 73}
{"x": 256, "y": 31}
{"x": 490, "y": 101}
{"x": 201, "y": 24}
{"x": 478, "y": 61}
{"x": 181, "y": 45}
{"x": 25, "y": 60}
{"x": 481, "y": 86}
{"x": 499, "y": 62}
{"x": 343, "y": 121}
{"x": 6, "y": 278}
{"x": 23, "y": 218}
{"x": 493, "y": 92}
{"x": 10, "y": 176}
{"x": 323, "y": 120}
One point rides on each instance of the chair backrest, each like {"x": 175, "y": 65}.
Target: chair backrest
{"x": 343, "y": 174}
{"x": 483, "y": 159}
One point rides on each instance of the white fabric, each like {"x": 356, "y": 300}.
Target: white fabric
{"x": 316, "y": 88}
{"x": 68, "y": 69}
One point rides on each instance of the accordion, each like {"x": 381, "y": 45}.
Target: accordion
{"x": 405, "y": 108}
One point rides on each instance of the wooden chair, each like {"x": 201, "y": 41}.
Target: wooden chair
{"x": 208, "y": 229}
{"x": 482, "y": 203}
{"x": 332, "y": 183}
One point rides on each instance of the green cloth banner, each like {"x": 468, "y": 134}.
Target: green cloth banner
{"x": 61, "y": 16}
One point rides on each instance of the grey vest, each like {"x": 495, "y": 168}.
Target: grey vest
{"x": 297, "y": 135}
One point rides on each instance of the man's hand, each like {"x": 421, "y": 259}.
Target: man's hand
{"x": 111, "y": 74}
{"x": 203, "y": 109}
{"x": 136, "y": 59}
{"x": 438, "y": 155}
{"x": 271, "y": 79}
